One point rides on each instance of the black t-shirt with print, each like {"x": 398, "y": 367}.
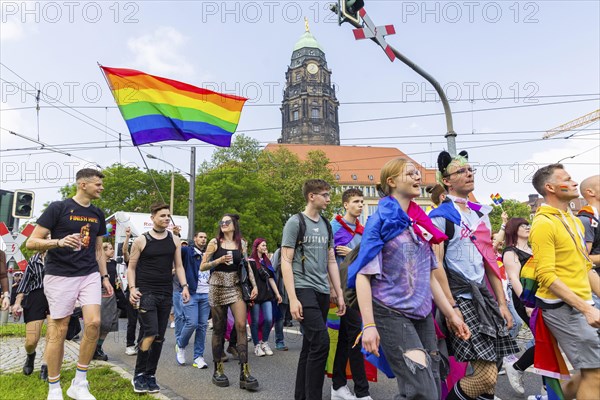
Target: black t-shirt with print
{"x": 64, "y": 218}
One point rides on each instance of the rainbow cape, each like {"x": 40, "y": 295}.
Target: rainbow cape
{"x": 158, "y": 109}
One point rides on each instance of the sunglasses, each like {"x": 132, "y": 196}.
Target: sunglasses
{"x": 225, "y": 223}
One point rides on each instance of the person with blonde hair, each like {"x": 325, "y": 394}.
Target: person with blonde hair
{"x": 393, "y": 276}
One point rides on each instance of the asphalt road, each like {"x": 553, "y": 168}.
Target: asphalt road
{"x": 276, "y": 374}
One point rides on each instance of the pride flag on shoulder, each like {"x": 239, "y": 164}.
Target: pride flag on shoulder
{"x": 158, "y": 109}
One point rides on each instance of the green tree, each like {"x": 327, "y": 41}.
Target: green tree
{"x": 128, "y": 188}
{"x": 231, "y": 189}
{"x": 514, "y": 209}
{"x": 285, "y": 173}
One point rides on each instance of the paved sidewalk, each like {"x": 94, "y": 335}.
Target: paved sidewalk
{"x": 12, "y": 357}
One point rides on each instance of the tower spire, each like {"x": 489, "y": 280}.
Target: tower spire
{"x": 306, "y": 27}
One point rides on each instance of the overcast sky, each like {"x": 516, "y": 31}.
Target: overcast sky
{"x": 512, "y": 59}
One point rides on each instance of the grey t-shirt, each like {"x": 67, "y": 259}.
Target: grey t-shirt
{"x": 589, "y": 232}
{"x": 316, "y": 253}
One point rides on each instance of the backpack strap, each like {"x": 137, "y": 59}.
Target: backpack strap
{"x": 300, "y": 239}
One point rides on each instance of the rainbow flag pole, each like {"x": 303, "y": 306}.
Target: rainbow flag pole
{"x": 156, "y": 109}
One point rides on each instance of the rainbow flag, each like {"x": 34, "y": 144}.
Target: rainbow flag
{"x": 497, "y": 199}
{"x": 157, "y": 109}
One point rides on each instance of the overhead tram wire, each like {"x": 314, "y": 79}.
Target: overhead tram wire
{"x": 366, "y": 102}
{"x": 497, "y": 141}
{"x": 50, "y": 147}
{"x": 68, "y": 107}
{"x": 108, "y": 142}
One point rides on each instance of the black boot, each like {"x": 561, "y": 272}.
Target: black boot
{"x": 219, "y": 378}
{"x": 99, "y": 354}
{"x": 247, "y": 381}
{"x": 44, "y": 373}
{"x": 28, "y": 366}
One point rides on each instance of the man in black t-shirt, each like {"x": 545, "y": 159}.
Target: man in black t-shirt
{"x": 75, "y": 265}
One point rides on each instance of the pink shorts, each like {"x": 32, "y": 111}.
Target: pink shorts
{"x": 63, "y": 291}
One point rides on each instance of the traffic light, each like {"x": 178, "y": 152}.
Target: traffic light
{"x": 23, "y": 204}
{"x": 350, "y": 9}
{"x": 6, "y": 202}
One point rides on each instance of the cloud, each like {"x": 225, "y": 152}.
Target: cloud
{"x": 11, "y": 31}
{"x": 161, "y": 53}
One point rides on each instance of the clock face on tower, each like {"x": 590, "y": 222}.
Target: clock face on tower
{"x": 312, "y": 68}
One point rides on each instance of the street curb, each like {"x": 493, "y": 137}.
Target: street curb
{"x": 166, "y": 393}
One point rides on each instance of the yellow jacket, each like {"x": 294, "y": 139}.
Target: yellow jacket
{"x": 557, "y": 256}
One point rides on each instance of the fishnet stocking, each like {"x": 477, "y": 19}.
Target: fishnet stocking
{"x": 482, "y": 381}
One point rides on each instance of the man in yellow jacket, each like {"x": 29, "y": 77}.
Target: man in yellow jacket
{"x": 565, "y": 277}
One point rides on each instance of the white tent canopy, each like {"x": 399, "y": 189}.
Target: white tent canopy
{"x": 140, "y": 223}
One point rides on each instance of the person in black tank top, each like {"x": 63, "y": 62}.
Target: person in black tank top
{"x": 516, "y": 253}
{"x": 224, "y": 256}
{"x": 149, "y": 275}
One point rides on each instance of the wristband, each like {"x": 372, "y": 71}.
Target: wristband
{"x": 366, "y": 326}
{"x": 455, "y": 305}
{"x": 105, "y": 276}
{"x": 185, "y": 285}
{"x": 502, "y": 227}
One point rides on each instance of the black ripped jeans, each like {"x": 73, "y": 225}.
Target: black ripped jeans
{"x": 398, "y": 336}
{"x": 154, "y": 317}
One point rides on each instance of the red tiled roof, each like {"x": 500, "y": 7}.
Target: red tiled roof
{"x": 356, "y": 161}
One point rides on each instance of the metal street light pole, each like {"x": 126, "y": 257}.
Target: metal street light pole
{"x": 377, "y": 35}
{"x": 172, "y": 179}
{"x": 192, "y": 196}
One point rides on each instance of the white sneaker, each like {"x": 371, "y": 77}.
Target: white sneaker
{"x": 131, "y": 351}
{"x": 365, "y": 398}
{"x": 80, "y": 391}
{"x": 180, "y": 355}
{"x": 265, "y": 347}
{"x": 258, "y": 351}
{"x": 200, "y": 363}
{"x": 172, "y": 325}
{"x": 342, "y": 393}
{"x": 515, "y": 378}
{"x": 55, "y": 394}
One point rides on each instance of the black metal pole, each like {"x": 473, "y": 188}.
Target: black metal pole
{"x": 450, "y": 133}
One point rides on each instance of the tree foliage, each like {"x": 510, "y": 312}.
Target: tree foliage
{"x": 128, "y": 188}
{"x": 229, "y": 189}
{"x": 514, "y": 209}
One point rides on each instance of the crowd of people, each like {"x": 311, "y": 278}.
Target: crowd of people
{"x": 435, "y": 300}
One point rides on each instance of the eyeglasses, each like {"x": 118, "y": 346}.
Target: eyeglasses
{"x": 462, "y": 171}
{"x": 525, "y": 226}
{"x": 225, "y": 223}
{"x": 326, "y": 195}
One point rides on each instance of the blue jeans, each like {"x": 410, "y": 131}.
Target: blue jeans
{"x": 279, "y": 338}
{"x": 267, "y": 312}
{"x": 178, "y": 311}
{"x": 195, "y": 314}
{"x": 517, "y": 321}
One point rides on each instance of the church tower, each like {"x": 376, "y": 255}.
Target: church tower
{"x": 309, "y": 111}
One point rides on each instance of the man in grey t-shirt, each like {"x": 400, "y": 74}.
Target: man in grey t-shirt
{"x": 307, "y": 284}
